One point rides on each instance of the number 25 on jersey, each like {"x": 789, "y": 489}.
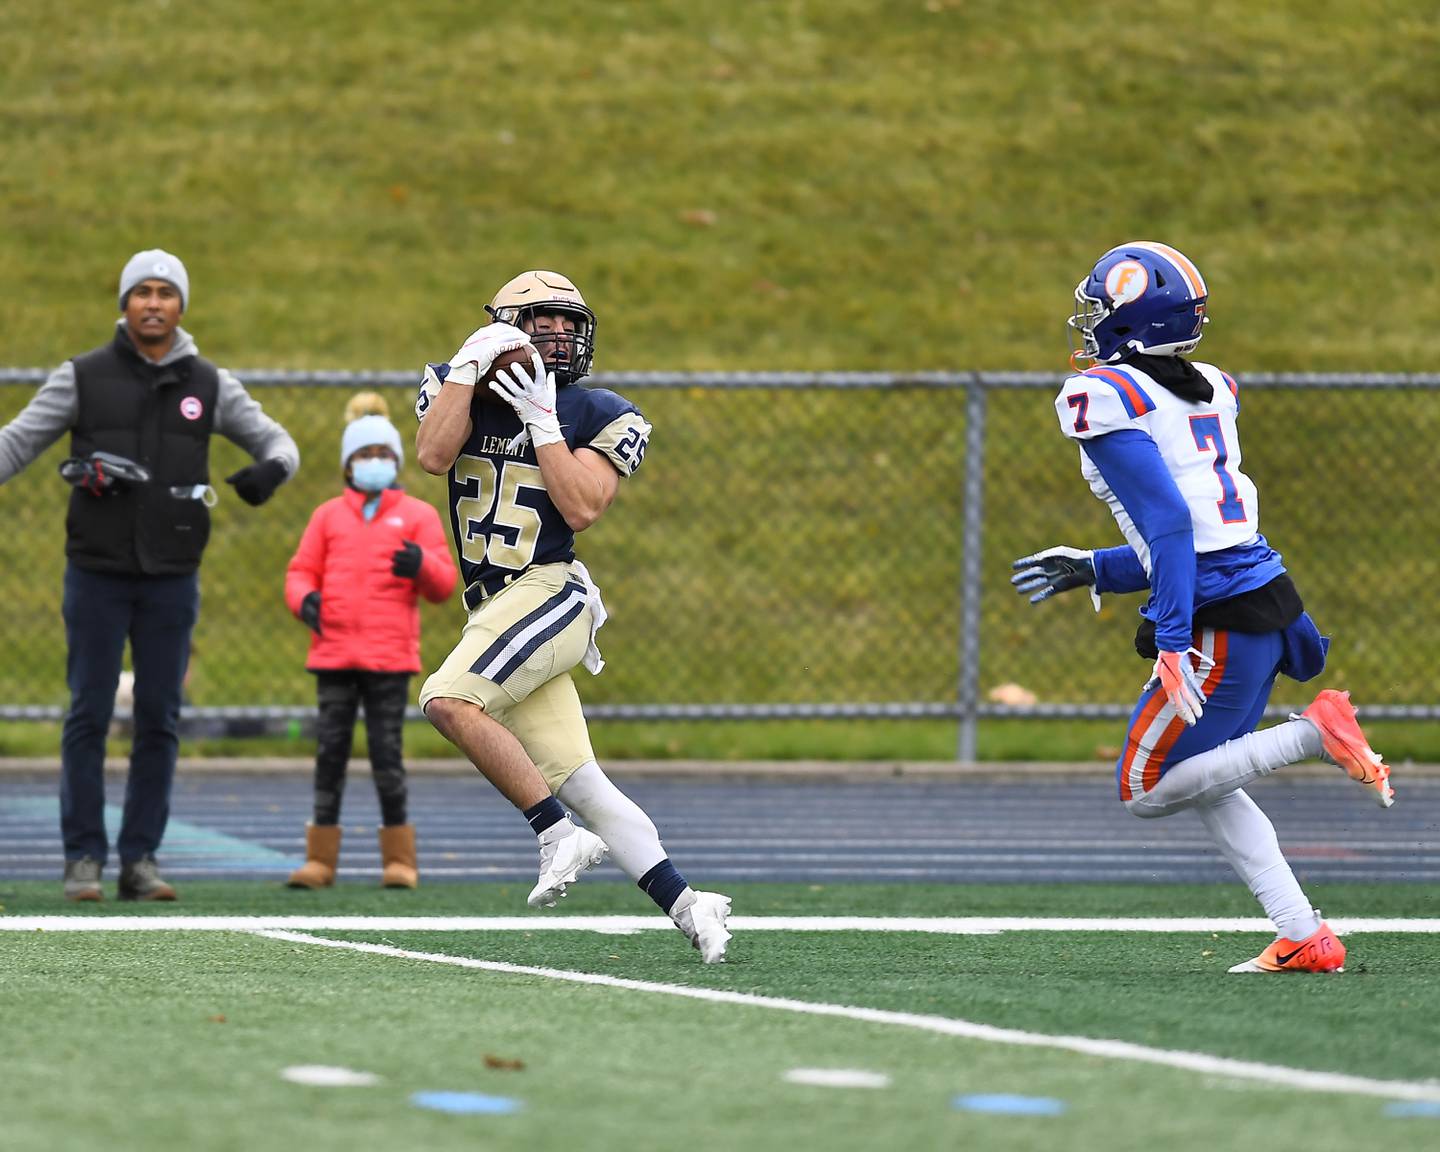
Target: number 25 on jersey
{"x": 496, "y": 504}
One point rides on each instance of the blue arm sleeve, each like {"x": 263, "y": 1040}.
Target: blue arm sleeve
{"x": 1119, "y": 570}
{"x": 1131, "y": 465}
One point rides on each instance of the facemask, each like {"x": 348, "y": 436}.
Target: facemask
{"x": 373, "y": 475}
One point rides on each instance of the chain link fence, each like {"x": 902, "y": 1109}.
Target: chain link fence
{"x": 821, "y": 545}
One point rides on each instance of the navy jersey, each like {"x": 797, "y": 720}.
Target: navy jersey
{"x": 500, "y": 513}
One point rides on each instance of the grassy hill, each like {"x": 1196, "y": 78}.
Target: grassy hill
{"x": 768, "y": 186}
{"x": 806, "y": 184}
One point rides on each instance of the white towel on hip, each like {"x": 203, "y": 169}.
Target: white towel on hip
{"x": 592, "y": 659}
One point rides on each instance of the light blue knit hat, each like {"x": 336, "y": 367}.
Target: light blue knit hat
{"x": 368, "y": 430}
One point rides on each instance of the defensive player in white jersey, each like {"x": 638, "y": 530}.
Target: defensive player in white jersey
{"x": 1158, "y": 444}
{"x": 529, "y": 466}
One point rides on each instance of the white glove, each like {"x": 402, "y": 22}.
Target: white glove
{"x": 1182, "y": 683}
{"x": 480, "y": 349}
{"x": 532, "y": 398}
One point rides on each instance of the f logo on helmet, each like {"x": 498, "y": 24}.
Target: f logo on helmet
{"x": 1126, "y": 281}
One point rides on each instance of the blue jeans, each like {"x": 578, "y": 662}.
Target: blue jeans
{"x": 157, "y": 614}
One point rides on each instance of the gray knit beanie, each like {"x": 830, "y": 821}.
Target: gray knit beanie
{"x": 155, "y": 264}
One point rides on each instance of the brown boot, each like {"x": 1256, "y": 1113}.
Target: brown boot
{"x": 322, "y": 856}
{"x": 397, "y": 854}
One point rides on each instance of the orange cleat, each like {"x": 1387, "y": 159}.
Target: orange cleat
{"x": 1345, "y": 744}
{"x": 1321, "y": 951}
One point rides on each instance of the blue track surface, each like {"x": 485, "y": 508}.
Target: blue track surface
{"x": 960, "y": 830}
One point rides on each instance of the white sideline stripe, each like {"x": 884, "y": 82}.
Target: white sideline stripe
{"x": 949, "y": 926}
{"x": 1108, "y": 1049}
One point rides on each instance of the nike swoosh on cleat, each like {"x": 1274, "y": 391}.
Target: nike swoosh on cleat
{"x": 1285, "y": 959}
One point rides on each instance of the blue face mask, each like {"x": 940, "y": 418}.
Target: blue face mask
{"x": 373, "y": 475}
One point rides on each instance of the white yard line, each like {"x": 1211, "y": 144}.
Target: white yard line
{"x": 949, "y": 926}
{"x": 1331, "y": 1082}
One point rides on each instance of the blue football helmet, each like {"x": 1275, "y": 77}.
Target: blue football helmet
{"x": 1139, "y": 297}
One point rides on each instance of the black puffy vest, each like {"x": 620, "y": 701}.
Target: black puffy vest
{"x": 161, "y": 418}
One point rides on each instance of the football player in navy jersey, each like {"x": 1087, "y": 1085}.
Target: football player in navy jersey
{"x": 1158, "y": 443}
{"x": 533, "y": 458}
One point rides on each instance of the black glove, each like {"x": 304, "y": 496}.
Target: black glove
{"x": 101, "y": 470}
{"x": 1054, "y": 570}
{"x": 405, "y": 560}
{"x": 256, "y": 483}
{"x": 310, "y": 611}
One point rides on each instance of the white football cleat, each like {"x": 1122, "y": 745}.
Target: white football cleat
{"x": 703, "y": 921}
{"x": 561, "y": 861}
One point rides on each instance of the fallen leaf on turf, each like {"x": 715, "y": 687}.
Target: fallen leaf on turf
{"x": 504, "y": 1063}
{"x": 219, "y": 1019}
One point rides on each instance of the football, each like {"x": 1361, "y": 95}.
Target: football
{"x": 521, "y": 356}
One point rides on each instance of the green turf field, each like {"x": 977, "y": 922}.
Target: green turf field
{"x": 180, "y": 1037}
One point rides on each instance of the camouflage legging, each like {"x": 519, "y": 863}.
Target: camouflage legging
{"x": 385, "y": 695}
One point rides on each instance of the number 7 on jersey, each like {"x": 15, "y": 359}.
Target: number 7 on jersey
{"x": 1210, "y": 436}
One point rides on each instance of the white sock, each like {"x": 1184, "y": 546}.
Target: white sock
{"x": 1210, "y": 775}
{"x": 620, "y": 822}
{"x": 1246, "y": 839}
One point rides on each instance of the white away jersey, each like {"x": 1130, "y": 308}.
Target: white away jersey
{"x": 1198, "y": 442}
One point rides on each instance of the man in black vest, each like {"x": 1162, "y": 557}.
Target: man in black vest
{"x": 139, "y": 518}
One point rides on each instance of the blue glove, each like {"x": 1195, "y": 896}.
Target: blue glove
{"x": 1053, "y": 570}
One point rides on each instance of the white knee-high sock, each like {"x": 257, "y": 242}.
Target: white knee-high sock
{"x": 1210, "y": 775}
{"x": 1246, "y": 839}
{"x": 615, "y": 818}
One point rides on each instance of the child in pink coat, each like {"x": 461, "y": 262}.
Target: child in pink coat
{"x": 366, "y": 558}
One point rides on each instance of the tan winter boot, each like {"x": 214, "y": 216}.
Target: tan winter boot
{"x": 397, "y": 854}
{"x": 322, "y": 857}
